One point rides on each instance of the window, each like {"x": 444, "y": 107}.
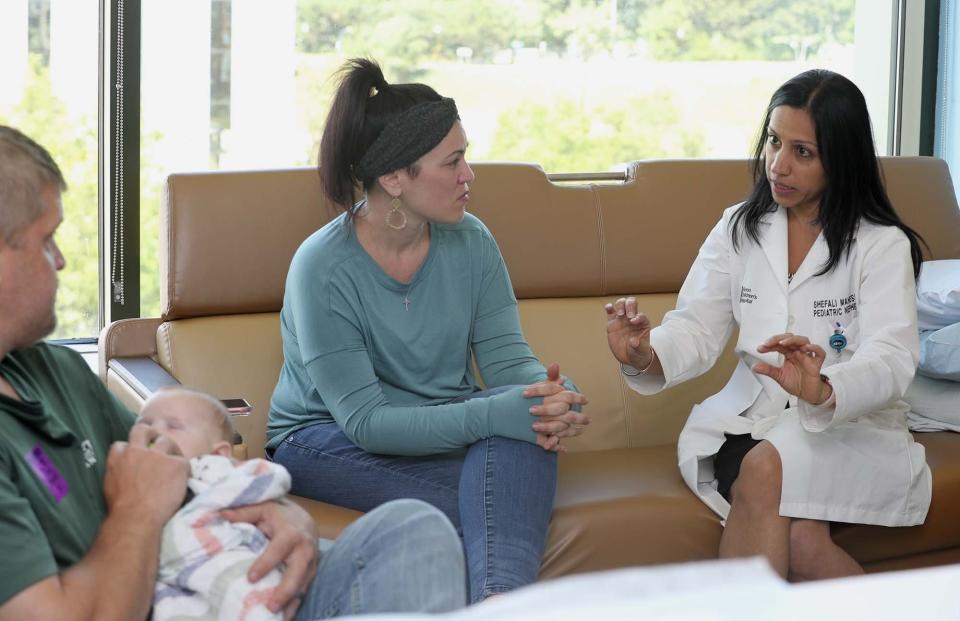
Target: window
{"x": 574, "y": 85}
{"x": 947, "y": 144}
{"x": 50, "y": 72}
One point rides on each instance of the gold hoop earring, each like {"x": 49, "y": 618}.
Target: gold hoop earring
{"x": 394, "y": 213}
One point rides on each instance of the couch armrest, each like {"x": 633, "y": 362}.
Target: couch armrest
{"x": 127, "y": 338}
{"x": 145, "y": 376}
{"x": 142, "y": 373}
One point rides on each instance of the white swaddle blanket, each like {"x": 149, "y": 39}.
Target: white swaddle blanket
{"x": 204, "y": 559}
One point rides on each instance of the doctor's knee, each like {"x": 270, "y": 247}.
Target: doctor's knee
{"x": 807, "y": 541}
{"x": 760, "y": 478}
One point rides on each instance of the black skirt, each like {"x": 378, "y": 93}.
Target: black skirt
{"x": 726, "y": 463}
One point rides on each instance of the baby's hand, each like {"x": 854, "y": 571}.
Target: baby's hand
{"x": 150, "y": 438}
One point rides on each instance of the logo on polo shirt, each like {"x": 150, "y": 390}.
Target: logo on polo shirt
{"x": 89, "y": 457}
{"x": 47, "y": 472}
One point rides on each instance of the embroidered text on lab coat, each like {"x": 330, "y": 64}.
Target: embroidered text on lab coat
{"x": 834, "y": 307}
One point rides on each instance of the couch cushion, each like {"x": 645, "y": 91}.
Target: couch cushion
{"x": 614, "y": 508}
{"x": 572, "y": 331}
{"x": 228, "y": 356}
{"x": 605, "y": 246}
{"x": 653, "y": 227}
{"x": 630, "y": 506}
{"x": 228, "y": 237}
{"x": 923, "y": 194}
{"x": 330, "y": 519}
{"x": 940, "y": 530}
{"x": 514, "y": 200}
{"x": 626, "y": 507}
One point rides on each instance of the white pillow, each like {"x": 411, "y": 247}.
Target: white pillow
{"x": 934, "y": 399}
{"x": 938, "y": 294}
{"x": 940, "y": 353}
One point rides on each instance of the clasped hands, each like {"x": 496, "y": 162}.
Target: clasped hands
{"x": 556, "y": 418}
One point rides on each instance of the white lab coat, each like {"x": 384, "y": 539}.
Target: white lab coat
{"x": 853, "y": 462}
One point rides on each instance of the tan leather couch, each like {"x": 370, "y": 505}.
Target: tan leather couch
{"x": 228, "y": 238}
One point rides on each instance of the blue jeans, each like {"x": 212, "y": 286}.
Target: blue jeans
{"x": 403, "y": 556}
{"x": 498, "y": 493}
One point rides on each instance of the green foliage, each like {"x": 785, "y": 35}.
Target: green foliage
{"x": 744, "y": 30}
{"x": 73, "y": 144}
{"x": 582, "y": 28}
{"x": 151, "y": 180}
{"x": 323, "y": 23}
{"x": 419, "y": 39}
{"x": 405, "y": 34}
{"x": 566, "y": 136}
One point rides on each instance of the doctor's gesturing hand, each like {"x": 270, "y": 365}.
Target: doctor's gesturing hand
{"x": 800, "y": 373}
{"x": 628, "y": 334}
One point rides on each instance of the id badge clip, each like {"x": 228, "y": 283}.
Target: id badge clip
{"x": 838, "y": 342}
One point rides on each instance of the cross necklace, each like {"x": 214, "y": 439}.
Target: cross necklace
{"x": 406, "y": 301}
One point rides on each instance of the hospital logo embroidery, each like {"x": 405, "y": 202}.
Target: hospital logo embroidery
{"x": 89, "y": 457}
{"x": 747, "y": 296}
{"x": 47, "y": 472}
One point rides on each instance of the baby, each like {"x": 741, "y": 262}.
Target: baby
{"x": 204, "y": 559}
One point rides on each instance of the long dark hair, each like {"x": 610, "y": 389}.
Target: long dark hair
{"x": 363, "y": 105}
{"x": 855, "y": 186}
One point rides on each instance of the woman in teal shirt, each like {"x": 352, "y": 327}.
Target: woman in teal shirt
{"x": 384, "y": 308}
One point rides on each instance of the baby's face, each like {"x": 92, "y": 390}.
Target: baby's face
{"x": 185, "y": 421}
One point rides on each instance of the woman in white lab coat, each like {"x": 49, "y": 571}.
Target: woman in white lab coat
{"x": 818, "y": 272}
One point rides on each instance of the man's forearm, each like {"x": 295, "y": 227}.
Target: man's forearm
{"x": 120, "y": 570}
{"x": 115, "y": 580}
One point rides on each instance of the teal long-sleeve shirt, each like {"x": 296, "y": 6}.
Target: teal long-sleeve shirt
{"x": 386, "y": 370}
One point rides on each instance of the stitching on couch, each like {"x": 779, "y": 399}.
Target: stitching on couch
{"x": 600, "y": 238}
{"x": 623, "y": 405}
{"x": 109, "y": 348}
{"x": 171, "y": 260}
{"x": 164, "y": 332}
{"x": 124, "y": 329}
{"x": 118, "y": 334}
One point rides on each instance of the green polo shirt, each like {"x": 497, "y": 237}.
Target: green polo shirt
{"x": 53, "y": 455}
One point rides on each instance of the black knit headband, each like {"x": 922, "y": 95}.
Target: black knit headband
{"x": 409, "y": 136}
